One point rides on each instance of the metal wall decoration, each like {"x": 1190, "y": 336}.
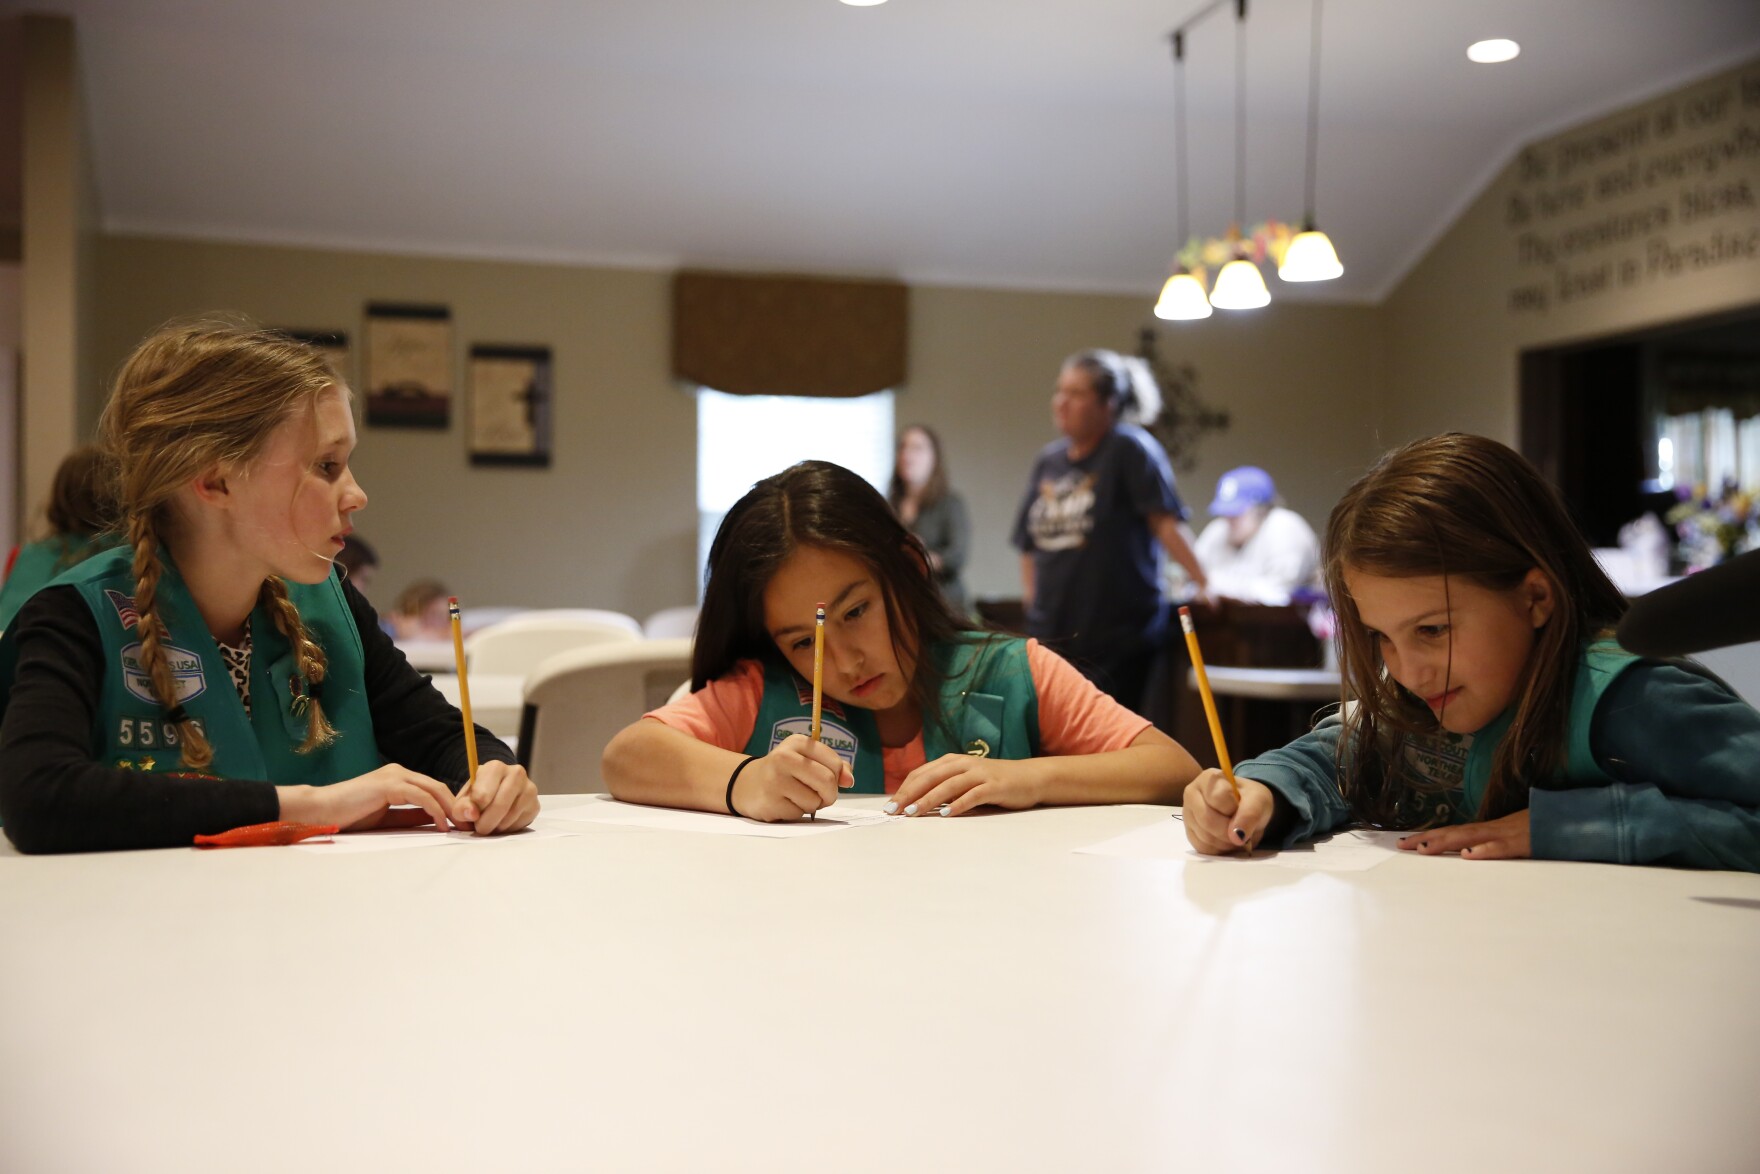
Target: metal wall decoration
{"x": 409, "y": 372}
{"x": 1185, "y": 419}
{"x": 510, "y": 405}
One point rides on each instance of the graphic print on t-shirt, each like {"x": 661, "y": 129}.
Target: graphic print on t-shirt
{"x": 1063, "y": 513}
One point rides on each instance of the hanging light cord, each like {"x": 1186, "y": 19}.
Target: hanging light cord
{"x": 1179, "y": 128}
{"x": 1313, "y": 111}
{"x": 1240, "y": 121}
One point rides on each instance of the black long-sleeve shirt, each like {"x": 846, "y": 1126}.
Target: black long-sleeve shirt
{"x": 55, "y": 798}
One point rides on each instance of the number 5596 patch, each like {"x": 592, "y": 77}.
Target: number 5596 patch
{"x": 147, "y": 733}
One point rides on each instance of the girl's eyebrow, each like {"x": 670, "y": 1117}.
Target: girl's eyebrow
{"x": 835, "y": 603}
{"x": 1418, "y": 619}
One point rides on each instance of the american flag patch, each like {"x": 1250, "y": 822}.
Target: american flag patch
{"x": 124, "y": 605}
{"x": 803, "y": 691}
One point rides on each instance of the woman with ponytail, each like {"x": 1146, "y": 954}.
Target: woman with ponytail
{"x": 1099, "y": 503}
{"x": 214, "y": 671}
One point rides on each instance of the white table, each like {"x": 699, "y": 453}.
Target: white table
{"x": 497, "y": 700}
{"x": 1269, "y": 684}
{"x": 961, "y": 994}
{"x": 430, "y": 656}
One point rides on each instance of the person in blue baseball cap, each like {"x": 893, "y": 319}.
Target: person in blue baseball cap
{"x": 1254, "y": 549}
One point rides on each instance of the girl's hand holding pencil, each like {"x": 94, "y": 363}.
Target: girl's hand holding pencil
{"x": 502, "y": 798}
{"x": 1216, "y": 822}
{"x": 797, "y": 778}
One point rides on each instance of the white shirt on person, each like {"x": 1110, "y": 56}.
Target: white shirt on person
{"x": 1282, "y": 554}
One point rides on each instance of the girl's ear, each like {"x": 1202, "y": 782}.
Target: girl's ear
{"x": 1539, "y": 596}
{"x": 209, "y": 486}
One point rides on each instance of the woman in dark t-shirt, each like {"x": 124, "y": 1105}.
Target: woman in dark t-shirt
{"x": 1098, "y": 503}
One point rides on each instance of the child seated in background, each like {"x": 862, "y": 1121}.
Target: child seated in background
{"x": 81, "y": 514}
{"x": 421, "y": 612}
{"x": 942, "y": 719}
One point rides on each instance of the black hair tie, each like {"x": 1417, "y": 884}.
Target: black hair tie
{"x": 176, "y": 715}
{"x": 734, "y": 778}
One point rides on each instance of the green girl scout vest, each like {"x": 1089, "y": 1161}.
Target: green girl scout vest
{"x": 988, "y": 704}
{"x": 39, "y": 562}
{"x": 131, "y": 731}
{"x": 1599, "y": 664}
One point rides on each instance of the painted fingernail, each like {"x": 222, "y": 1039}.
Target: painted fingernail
{"x": 911, "y": 810}
{"x": 1423, "y": 843}
{"x": 891, "y": 808}
{"x": 1240, "y": 835}
{"x": 946, "y": 807}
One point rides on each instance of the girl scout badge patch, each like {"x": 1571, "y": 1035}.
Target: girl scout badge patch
{"x": 187, "y": 680}
{"x": 834, "y": 734}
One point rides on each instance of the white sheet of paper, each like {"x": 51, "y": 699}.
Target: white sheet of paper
{"x": 1350, "y": 851}
{"x": 394, "y": 839}
{"x": 605, "y": 809}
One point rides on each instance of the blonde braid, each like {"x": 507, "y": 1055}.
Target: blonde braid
{"x": 192, "y": 743}
{"x": 310, "y": 657}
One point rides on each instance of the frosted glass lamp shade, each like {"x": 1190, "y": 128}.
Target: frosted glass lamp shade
{"x": 1239, "y": 286}
{"x": 1310, "y": 257}
{"x": 1182, "y": 298}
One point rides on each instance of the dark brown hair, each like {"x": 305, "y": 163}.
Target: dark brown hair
{"x": 1464, "y": 507}
{"x": 82, "y": 498}
{"x": 935, "y": 488}
{"x": 818, "y": 504}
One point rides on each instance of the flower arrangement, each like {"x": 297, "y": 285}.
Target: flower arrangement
{"x": 1712, "y": 527}
{"x": 1265, "y": 241}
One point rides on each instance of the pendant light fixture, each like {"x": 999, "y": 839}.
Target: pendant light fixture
{"x": 1239, "y": 285}
{"x": 1182, "y": 297}
{"x": 1310, "y": 256}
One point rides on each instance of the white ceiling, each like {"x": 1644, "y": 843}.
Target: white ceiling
{"x": 973, "y": 142}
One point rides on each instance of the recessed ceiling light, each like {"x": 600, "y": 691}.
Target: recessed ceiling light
{"x": 1484, "y": 52}
{"x": 863, "y": 3}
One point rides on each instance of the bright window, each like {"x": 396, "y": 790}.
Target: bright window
{"x": 741, "y": 439}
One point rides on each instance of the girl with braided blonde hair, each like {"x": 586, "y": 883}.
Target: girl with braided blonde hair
{"x": 214, "y": 671}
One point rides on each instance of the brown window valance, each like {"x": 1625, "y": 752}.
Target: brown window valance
{"x": 779, "y": 335}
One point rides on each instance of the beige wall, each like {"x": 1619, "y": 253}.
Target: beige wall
{"x": 59, "y": 218}
{"x": 1646, "y": 217}
{"x": 1316, "y": 392}
{"x": 611, "y": 524}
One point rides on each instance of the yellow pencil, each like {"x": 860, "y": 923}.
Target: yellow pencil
{"x": 1185, "y": 623}
{"x": 464, "y": 689}
{"x": 818, "y": 675}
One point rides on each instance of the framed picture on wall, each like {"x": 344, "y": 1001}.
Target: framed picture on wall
{"x": 333, "y": 345}
{"x": 409, "y": 366}
{"x": 510, "y": 399}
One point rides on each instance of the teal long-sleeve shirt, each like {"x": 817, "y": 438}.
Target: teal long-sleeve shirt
{"x": 1683, "y": 751}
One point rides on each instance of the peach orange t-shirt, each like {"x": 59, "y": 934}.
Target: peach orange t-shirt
{"x": 1075, "y": 717}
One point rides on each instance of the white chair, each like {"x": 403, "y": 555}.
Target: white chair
{"x": 575, "y": 701}
{"x": 669, "y": 622}
{"x": 515, "y": 647}
{"x": 598, "y": 615}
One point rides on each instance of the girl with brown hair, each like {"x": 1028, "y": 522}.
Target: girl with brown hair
{"x": 1494, "y": 714}
{"x": 81, "y": 515}
{"x": 214, "y": 671}
{"x": 942, "y": 719}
